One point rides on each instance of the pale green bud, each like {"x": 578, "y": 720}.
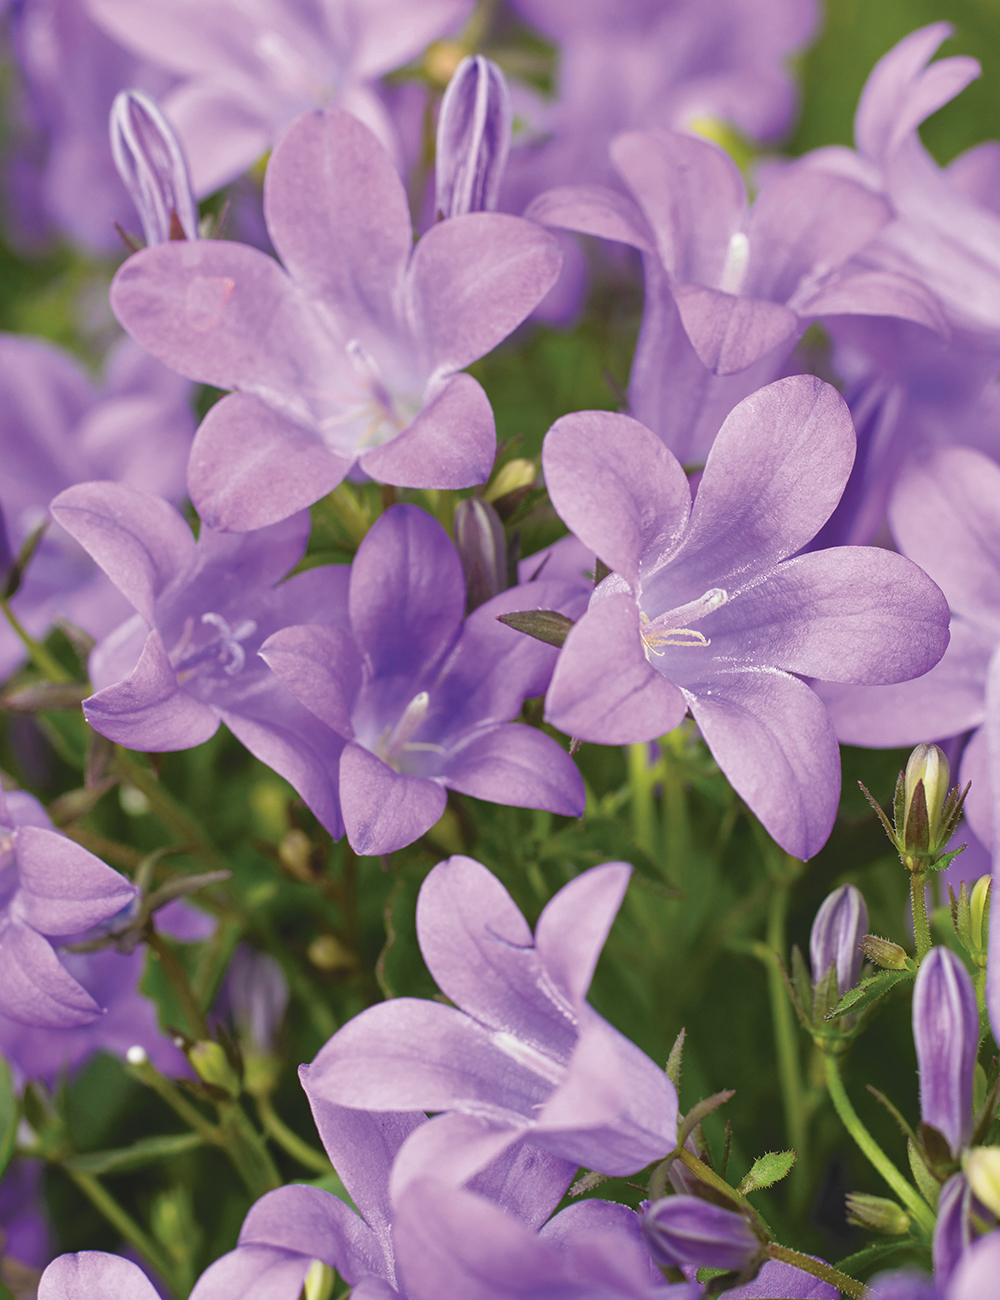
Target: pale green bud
{"x": 212, "y": 1066}
{"x": 319, "y": 1281}
{"x": 982, "y": 1169}
{"x": 979, "y": 909}
{"x": 515, "y": 474}
{"x": 928, "y": 764}
{"x": 878, "y": 1213}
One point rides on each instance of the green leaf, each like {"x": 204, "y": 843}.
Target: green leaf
{"x": 144, "y": 1152}
{"x": 767, "y": 1170}
{"x": 675, "y": 1059}
{"x": 9, "y": 1115}
{"x": 867, "y": 993}
{"x": 543, "y": 624}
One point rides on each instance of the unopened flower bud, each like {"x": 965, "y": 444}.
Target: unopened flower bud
{"x": 258, "y": 995}
{"x": 979, "y": 913}
{"x": 212, "y": 1066}
{"x": 836, "y": 933}
{"x": 883, "y": 952}
{"x": 515, "y": 474}
{"x": 925, "y": 787}
{"x": 473, "y": 138}
{"x": 946, "y": 1036}
{"x": 685, "y": 1230}
{"x": 319, "y": 1281}
{"x": 482, "y": 548}
{"x": 151, "y": 164}
{"x": 877, "y": 1213}
{"x": 982, "y": 1169}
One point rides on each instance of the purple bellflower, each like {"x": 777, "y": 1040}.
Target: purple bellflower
{"x": 705, "y": 609}
{"x": 151, "y": 163}
{"x": 729, "y": 288}
{"x": 976, "y": 1276}
{"x": 422, "y": 699}
{"x": 24, "y": 1229}
{"x": 946, "y": 1035}
{"x": 683, "y": 1230}
{"x": 95, "y": 1275}
{"x": 57, "y": 428}
{"x": 520, "y": 1060}
{"x": 473, "y": 139}
{"x": 353, "y": 354}
{"x": 187, "y": 659}
{"x": 49, "y": 887}
{"x": 245, "y": 72}
{"x": 840, "y": 924}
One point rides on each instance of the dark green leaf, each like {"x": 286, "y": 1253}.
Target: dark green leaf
{"x": 543, "y": 624}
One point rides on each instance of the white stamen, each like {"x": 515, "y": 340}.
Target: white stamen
{"x": 736, "y": 263}
{"x": 530, "y": 1057}
{"x": 669, "y": 628}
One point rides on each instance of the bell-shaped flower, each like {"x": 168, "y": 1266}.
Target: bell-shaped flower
{"x": 518, "y": 1060}
{"x": 350, "y": 355}
{"x": 422, "y": 696}
{"x": 709, "y": 606}
{"x": 246, "y": 71}
{"x": 946, "y": 1036}
{"x": 151, "y": 163}
{"x": 58, "y": 428}
{"x": 49, "y": 887}
{"x": 840, "y": 925}
{"x": 187, "y": 659}
{"x": 473, "y": 139}
{"x": 729, "y": 287}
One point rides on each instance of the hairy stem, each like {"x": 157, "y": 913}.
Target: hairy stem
{"x": 921, "y": 928}
{"x": 856, "y": 1290}
{"x": 640, "y": 779}
{"x": 849, "y": 1118}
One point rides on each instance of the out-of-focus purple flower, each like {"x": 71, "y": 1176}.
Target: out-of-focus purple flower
{"x": 840, "y": 924}
{"x": 946, "y": 1036}
{"x": 24, "y": 1230}
{"x": 151, "y": 164}
{"x": 683, "y": 1230}
{"x": 473, "y": 139}
{"x": 353, "y": 355}
{"x": 245, "y": 72}
{"x": 520, "y": 1059}
{"x": 977, "y": 1274}
{"x": 49, "y": 887}
{"x": 258, "y": 995}
{"x": 907, "y": 1285}
{"x": 187, "y": 659}
{"x": 705, "y": 610}
{"x": 56, "y": 429}
{"x": 482, "y": 548}
{"x": 62, "y": 175}
{"x": 776, "y": 1279}
{"x": 422, "y": 698}
{"x": 729, "y": 288}
{"x": 94, "y": 1275}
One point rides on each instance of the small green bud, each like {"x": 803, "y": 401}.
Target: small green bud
{"x": 877, "y": 1213}
{"x": 212, "y": 1066}
{"x": 319, "y": 1281}
{"x": 979, "y": 913}
{"x": 515, "y": 474}
{"x": 928, "y": 768}
{"x": 883, "y": 952}
{"x": 982, "y": 1169}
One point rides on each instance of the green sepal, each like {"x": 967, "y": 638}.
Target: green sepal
{"x": 543, "y": 624}
{"x": 675, "y": 1060}
{"x": 767, "y": 1170}
{"x": 928, "y": 1185}
{"x": 10, "y": 1114}
{"x": 917, "y": 829}
{"x": 798, "y": 986}
{"x": 826, "y": 995}
{"x": 867, "y": 993}
{"x": 144, "y": 1152}
{"x": 697, "y": 1113}
{"x": 25, "y": 555}
{"x": 877, "y": 807}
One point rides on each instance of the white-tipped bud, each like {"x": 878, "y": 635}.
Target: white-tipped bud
{"x": 136, "y": 1055}
{"x": 473, "y": 139}
{"x": 151, "y": 163}
{"x": 982, "y": 1169}
{"x": 928, "y": 764}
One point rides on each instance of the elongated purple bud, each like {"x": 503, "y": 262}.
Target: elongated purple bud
{"x": 946, "y": 1035}
{"x": 683, "y": 1230}
{"x": 840, "y": 925}
{"x": 258, "y": 992}
{"x": 473, "y": 139}
{"x": 151, "y": 163}
{"x": 482, "y": 547}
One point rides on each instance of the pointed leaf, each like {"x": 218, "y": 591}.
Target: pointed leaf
{"x": 767, "y": 1170}
{"x": 675, "y": 1059}
{"x": 867, "y": 993}
{"x": 543, "y": 624}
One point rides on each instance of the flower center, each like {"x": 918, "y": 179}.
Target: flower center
{"x": 670, "y": 628}
{"x": 736, "y": 263}
{"x": 198, "y": 655}
{"x": 395, "y": 742}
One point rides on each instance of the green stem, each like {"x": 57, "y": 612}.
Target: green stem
{"x": 786, "y": 1042}
{"x": 247, "y": 1151}
{"x": 147, "y": 1073}
{"x": 849, "y": 1118}
{"x": 179, "y": 982}
{"x": 640, "y": 777}
{"x": 848, "y": 1285}
{"x": 298, "y": 1149}
{"x": 44, "y": 661}
{"x": 921, "y": 928}
{"x": 118, "y": 1217}
{"x": 710, "y": 1177}
{"x": 172, "y": 813}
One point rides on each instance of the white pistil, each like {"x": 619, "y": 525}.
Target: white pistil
{"x": 736, "y": 263}
{"x": 396, "y": 740}
{"x": 669, "y": 628}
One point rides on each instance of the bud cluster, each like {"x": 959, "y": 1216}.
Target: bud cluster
{"x": 925, "y": 811}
